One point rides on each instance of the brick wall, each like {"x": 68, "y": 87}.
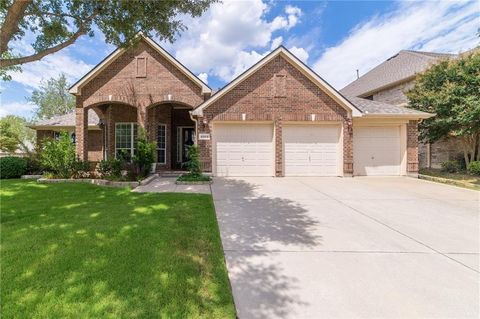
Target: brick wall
{"x": 43, "y": 134}
{"x": 95, "y": 145}
{"x": 412, "y": 147}
{"x": 260, "y": 98}
{"x": 120, "y": 83}
{"x": 394, "y": 95}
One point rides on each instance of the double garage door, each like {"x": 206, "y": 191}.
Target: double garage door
{"x": 249, "y": 150}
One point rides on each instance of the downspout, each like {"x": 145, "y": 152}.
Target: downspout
{"x": 196, "y": 126}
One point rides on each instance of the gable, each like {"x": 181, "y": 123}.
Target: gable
{"x": 280, "y": 54}
{"x": 118, "y": 53}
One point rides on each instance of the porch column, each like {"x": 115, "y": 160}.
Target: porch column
{"x": 81, "y": 132}
{"x": 141, "y": 116}
{"x": 110, "y": 136}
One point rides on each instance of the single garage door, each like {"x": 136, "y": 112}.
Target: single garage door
{"x": 244, "y": 149}
{"x": 311, "y": 150}
{"x": 376, "y": 150}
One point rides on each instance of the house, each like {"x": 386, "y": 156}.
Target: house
{"x": 278, "y": 118}
{"x": 388, "y": 83}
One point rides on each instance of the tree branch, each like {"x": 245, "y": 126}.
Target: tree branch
{"x": 41, "y": 54}
{"x": 11, "y": 24}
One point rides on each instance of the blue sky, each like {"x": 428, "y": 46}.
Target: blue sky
{"x": 333, "y": 37}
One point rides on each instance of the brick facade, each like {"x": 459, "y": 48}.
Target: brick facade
{"x": 394, "y": 95}
{"x": 412, "y": 147}
{"x": 278, "y": 92}
{"x": 121, "y": 83}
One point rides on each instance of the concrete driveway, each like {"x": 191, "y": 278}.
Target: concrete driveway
{"x": 349, "y": 247}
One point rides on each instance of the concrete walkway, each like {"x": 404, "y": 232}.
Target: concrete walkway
{"x": 350, "y": 247}
{"x": 167, "y": 185}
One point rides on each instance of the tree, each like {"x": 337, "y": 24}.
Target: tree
{"x": 451, "y": 90}
{"x": 52, "y": 98}
{"x": 57, "y": 24}
{"x": 15, "y": 135}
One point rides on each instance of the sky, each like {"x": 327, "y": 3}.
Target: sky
{"x": 334, "y": 38}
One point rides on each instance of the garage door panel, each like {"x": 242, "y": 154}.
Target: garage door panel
{"x": 376, "y": 151}
{"x": 244, "y": 150}
{"x": 311, "y": 150}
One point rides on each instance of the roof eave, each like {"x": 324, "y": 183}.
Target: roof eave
{"x": 399, "y": 115}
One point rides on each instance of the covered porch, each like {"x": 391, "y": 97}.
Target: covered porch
{"x": 167, "y": 124}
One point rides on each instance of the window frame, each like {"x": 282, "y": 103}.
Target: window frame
{"x": 164, "y": 149}
{"x": 133, "y": 128}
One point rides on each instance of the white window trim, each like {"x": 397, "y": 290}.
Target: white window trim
{"x": 132, "y": 137}
{"x": 164, "y": 148}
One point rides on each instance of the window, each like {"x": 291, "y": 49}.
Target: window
{"x": 161, "y": 143}
{"x": 125, "y": 140}
{"x": 56, "y": 136}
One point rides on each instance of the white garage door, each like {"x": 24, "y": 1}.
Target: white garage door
{"x": 244, "y": 149}
{"x": 311, "y": 150}
{"x": 376, "y": 150}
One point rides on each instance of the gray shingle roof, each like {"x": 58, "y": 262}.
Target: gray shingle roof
{"x": 402, "y": 66}
{"x": 379, "y": 108}
{"x": 67, "y": 120}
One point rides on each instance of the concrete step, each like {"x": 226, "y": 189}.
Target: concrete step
{"x": 171, "y": 173}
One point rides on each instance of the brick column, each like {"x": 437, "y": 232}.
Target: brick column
{"x": 347, "y": 147}
{"x": 278, "y": 148}
{"x": 412, "y": 147}
{"x": 141, "y": 116}
{"x": 110, "y": 136}
{"x": 81, "y": 132}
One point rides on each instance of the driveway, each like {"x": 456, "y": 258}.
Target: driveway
{"x": 349, "y": 247}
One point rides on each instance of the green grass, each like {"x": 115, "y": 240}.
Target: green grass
{"x": 85, "y": 251}
{"x": 460, "y": 179}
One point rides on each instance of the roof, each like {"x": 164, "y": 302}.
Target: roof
{"x": 292, "y": 59}
{"x": 76, "y": 88}
{"x": 379, "y": 109}
{"x": 66, "y": 120}
{"x": 401, "y": 67}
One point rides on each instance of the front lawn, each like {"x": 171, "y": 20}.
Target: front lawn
{"x": 84, "y": 251}
{"x": 461, "y": 179}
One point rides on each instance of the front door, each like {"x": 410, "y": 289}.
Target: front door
{"x": 185, "y": 138}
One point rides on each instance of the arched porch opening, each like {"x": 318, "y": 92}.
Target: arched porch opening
{"x": 169, "y": 125}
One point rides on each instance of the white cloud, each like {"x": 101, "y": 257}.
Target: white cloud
{"x": 300, "y": 53}
{"x": 231, "y": 36}
{"x": 203, "y": 77}
{"x": 16, "y": 108}
{"x": 51, "y": 66}
{"x": 276, "y": 43}
{"x": 443, "y": 26}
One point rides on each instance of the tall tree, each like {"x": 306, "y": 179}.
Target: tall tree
{"x": 451, "y": 90}
{"x": 52, "y": 98}
{"x": 15, "y": 135}
{"x": 57, "y": 24}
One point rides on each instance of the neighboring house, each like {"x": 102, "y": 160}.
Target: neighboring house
{"x": 278, "y": 118}
{"x": 388, "y": 83}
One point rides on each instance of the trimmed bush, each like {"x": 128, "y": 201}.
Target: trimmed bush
{"x": 450, "y": 167}
{"x": 474, "y": 168}
{"x": 110, "y": 168}
{"x": 12, "y": 167}
{"x": 145, "y": 154}
{"x": 193, "y": 163}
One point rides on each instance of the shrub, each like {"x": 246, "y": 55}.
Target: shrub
{"x": 193, "y": 163}
{"x": 58, "y": 156}
{"x": 110, "y": 168}
{"x": 145, "y": 154}
{"x": 80, "y": 169}
{"x": 450, "y": 167}
{"x": 12, "y": 167}
{"x": 474, "y": 168}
